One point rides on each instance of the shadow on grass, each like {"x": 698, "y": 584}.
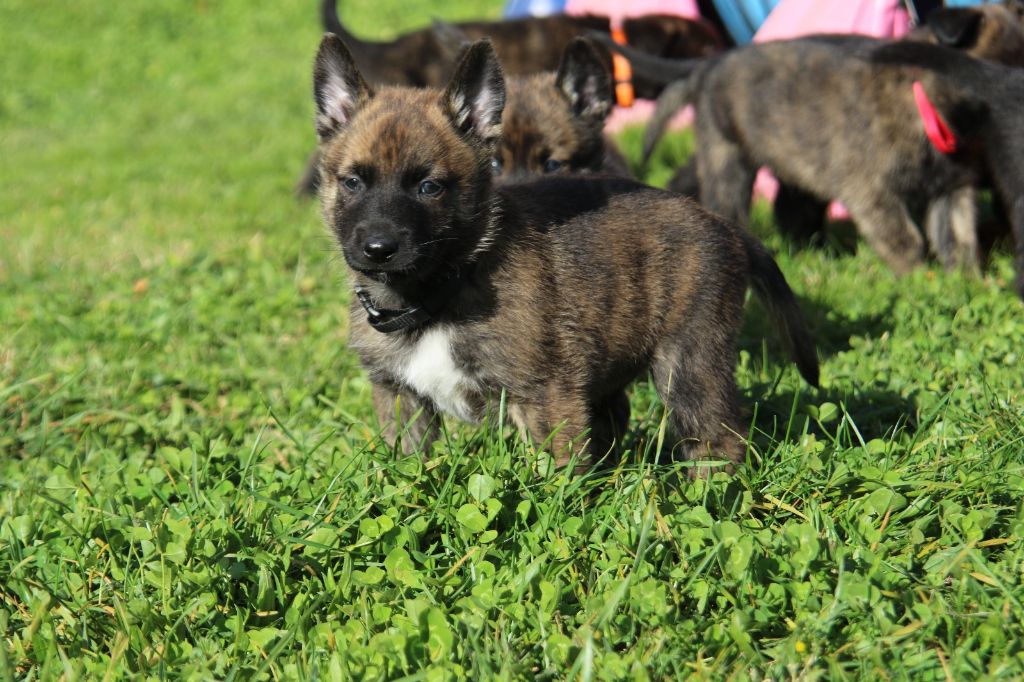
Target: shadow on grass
{"x": 830, "y": 328}
{"x": 835, "y": 414}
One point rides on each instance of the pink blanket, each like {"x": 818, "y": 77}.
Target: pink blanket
{"x": 618, "y": 9}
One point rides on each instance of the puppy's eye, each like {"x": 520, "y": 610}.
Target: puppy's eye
{"x": 430, "y": 188}
{"x": 352, "y": 183}
{"x": 552, "y": 166}
{"x": 496, "y": 165}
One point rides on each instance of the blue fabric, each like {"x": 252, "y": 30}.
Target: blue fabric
{"x": 533, "y": 8}
{"x": 742, "y": 18}
{"x": 964, "y": 3}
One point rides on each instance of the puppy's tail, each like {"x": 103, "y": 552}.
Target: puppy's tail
{"x": 656, "y": 70}
{"x": 332, "y": 23}
{"x": 773, "y": 290}
{"x": 673, "y": 98}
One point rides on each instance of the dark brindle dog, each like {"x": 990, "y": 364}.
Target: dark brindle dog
{"x": 526, "y": 46}
{"x": 836, "y": 117}
{"x": 558, "y": 292}
{"x": 993, "y": 31}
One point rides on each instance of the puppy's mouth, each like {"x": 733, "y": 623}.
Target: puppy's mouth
{"x": 404, "y": 268}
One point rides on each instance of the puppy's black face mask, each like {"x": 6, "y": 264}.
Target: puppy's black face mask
{"x": 406, "y": 174}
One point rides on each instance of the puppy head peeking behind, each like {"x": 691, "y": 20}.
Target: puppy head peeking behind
{"x": 406, "y": 173}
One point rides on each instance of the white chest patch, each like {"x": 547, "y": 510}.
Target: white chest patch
{"x": 430, "y": 371}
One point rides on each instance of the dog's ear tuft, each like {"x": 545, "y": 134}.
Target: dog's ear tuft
{"x": 584, "y": 80}
{"x": 475, "y": 98}
{"x": 955, "y": 27}
{"x": 338, "y": 87}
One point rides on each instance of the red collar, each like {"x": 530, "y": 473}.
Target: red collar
{"x": 941, "y": 137}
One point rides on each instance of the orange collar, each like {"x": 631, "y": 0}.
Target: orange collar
{"x": 622, "y": 72}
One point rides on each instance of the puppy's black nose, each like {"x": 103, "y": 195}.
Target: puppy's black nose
{"x": 379, "y": 248}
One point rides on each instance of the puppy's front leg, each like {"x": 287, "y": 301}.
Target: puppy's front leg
{"x": 887, "y": 227}
{"x": 407, "y": 420}
{"x": 563, "y": 420}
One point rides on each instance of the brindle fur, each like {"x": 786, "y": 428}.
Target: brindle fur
{"x": 570, "y": 286}
{"x": 834, "y": 117}
{"x": 993, "y": 31}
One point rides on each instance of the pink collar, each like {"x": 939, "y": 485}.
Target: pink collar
{"x": 942, "y": 138}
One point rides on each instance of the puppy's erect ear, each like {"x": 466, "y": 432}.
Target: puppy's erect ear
{"x": 585, "y": 82}
{"x": 955, "y": 27}
{"x": 338, "y": 87}
{"x": 475, "y": 97}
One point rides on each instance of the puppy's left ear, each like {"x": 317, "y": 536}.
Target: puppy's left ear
{"x": 338, "y": 87}
{"x": 475, "y": 98}
{"x": 584, "y": 80}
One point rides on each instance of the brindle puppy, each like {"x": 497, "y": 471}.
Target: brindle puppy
{"x": 554, "y": 122}
{"x": 525, "y": 46}
{"x": 835, "y": 117}
{"x": 992, "y": 31}
{"x": 558, "y": 291}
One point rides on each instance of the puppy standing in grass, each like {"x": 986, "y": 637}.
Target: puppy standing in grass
{"x": 849, "y": 117}
{"x": 559, "y": 291}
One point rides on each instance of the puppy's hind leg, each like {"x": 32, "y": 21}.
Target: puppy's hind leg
{"x": 694, "y": 376}
{"x": 799, "y": 214}
{"x": 725, "y": 178}
{"x": 887, "y": 227}
{"x": 951, "y": 223}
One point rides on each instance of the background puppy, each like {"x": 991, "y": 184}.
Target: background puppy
{"x": 554, "y": 122}
{"x": 525, "y": 46}
{"x": 836, "y": 117}
{"x": 558, "y": 292}
{"x": 992, "y": 31}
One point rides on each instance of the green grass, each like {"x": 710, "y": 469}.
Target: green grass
{"x": 191, "y": 484}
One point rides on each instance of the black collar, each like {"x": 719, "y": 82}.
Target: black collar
{"x": 416, "y": 315}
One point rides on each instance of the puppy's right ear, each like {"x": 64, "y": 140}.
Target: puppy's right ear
{"x": 338, "y": 87}
{"x": 585, "y": 82}
{"x": 475, "y": 98}
{"x": 955, "y": 27}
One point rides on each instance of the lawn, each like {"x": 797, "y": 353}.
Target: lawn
{"x": 192, "y": 484}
